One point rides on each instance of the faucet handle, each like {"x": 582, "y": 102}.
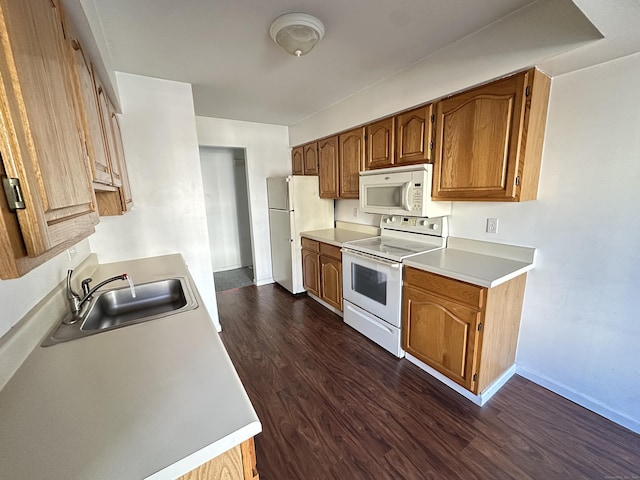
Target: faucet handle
{"x": 85, "y": 285}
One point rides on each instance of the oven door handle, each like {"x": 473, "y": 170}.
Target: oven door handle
{"x": 405, "y": 196}
{"x": 373, "y": 258}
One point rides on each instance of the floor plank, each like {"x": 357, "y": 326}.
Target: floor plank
{"x": 334, "y": 405}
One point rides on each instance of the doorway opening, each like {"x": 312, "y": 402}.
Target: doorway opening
{"x": 224, "y": 178}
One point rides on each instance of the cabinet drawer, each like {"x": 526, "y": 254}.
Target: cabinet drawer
{"x": 446, "y": 287}
{"x": 330, "y": 251}
{"x": 310, "y": 245}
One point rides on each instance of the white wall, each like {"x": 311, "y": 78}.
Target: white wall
{"x": 226, "y": 203}
{"x": 580, "y": 327}
{"x": 161, "y": 148}
{"x": 267, "y": 155}
{"x": 19, "y": 295}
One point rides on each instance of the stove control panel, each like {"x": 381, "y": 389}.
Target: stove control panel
{"x": 429, "y": 226}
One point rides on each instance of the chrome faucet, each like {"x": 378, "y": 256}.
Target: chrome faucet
{"x": 76, "y": 302}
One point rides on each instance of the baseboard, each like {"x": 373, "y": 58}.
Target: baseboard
{"x": 479, "y": 399}
{"x": 263, "y": 281}
{"x": 576, "y": 397}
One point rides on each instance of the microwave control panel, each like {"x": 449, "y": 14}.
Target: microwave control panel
{"x": 417, "y": 198}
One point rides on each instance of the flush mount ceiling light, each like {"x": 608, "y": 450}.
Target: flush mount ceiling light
{"x": 297, "y": 33}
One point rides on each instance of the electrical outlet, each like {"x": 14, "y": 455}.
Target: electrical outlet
{"x": 355, "y": 212}
{"x": 71, "y": 253}
{"x": 492, "y": 225}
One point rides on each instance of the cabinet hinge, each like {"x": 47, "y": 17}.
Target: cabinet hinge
{"x": 527, "y": 91}
{"x": 431, "y": 145}
{"x": 13, "y": 193}
{"x": 518, "y": 181}
{"x": 475, "y": 377}
{"x": 480, "y": 327}
{"x": 433, "y": 118}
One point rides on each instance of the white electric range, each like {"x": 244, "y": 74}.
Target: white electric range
{"x": 372, "y": 275}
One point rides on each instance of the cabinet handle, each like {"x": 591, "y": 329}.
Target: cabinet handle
{"x": 13, "y": 193}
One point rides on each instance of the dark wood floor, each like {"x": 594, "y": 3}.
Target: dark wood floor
{"x": 333, "y": 405}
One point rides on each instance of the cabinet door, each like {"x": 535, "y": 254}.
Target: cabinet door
{"x": 477, "y": 141}
{"x": 311, "y": 159}
{"x": 442, "y": 334}
{"x": 43, "y": 142}
{"x": 297, "y": 161}
{"x": 125, "y": 190}
{"x": 380, "y": 144}
{"x": 352, "y": 152}
{"x": 105, "y": 113}
{"x": 331, "y": 281}
{"x": 90, "y": 112}
{"x": 311, "y": 272}
{"x": 414, "y": 136}
{"x": 329, "y": 170}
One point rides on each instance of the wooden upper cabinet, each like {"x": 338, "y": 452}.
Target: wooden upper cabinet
{"x": 489, "y": 140}
{"x": 125, "y": 189}
{"x": 106, "y": 108}
{"x": 414, "y": 136}
{"x": 311, "y": 159}
{"x": 381, "y": 144}
{"x": 328, "y": 167}
{"x": 297, "y": 160}
{"x": 43, "y": 141}
{"x": 352, "y": 154}
{"x": 90, "y": 113}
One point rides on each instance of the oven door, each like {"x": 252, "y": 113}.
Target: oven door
{"x": 373, "y": 284}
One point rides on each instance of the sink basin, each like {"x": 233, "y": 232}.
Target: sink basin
{"x": 117, "y": 308}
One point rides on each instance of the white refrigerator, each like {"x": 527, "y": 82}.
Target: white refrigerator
{"x": 294, "y": 206}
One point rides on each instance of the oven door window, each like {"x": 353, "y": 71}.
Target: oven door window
{"x": 370, "y": 283}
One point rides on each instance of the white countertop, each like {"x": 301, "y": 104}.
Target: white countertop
{"x": 152, "y": 400}
{"x": 336, "y": 236}
{"x": 475, "y": 266}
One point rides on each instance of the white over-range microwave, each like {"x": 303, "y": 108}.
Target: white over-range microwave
{"x": 400, "y": 191}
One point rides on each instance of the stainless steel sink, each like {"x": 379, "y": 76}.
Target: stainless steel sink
{"x": 117, "y": 308}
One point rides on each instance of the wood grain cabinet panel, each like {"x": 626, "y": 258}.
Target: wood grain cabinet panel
{"x": 329, "y": 169}
{"x": 352, "y": 160}
{"x": 331, "y": 281}
{"x": 90, "y": 112}
{"x": 489, "y": 140}
{"x": 311, "y": 159}
{"x": 322, "y": 271}
{"x": 466, "y": 332}
{"x": 414, "y": 136}
{"x": 381, "y": 144}
{"x": 311, "y": 271}
{"x": 442, "y": 334}
{"x": 237, "y": 463}
{"x": 42, "y": 139}
{"x": 297, "y": 161}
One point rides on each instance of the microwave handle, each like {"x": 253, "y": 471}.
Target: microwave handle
{"x": 405, "y": 196}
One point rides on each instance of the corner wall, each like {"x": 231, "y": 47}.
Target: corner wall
{"x": 161, "y": 149}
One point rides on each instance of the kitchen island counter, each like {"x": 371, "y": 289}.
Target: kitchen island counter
{"x": 150, "y": 400}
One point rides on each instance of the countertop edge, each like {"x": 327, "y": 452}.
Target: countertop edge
{"x": 207, "y": 453}
{"x": 481, "y": 282}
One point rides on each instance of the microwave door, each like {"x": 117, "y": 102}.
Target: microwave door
{"x": 406, "y": 191}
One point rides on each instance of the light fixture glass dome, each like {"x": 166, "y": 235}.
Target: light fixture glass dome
{"x": 297, "y": 33}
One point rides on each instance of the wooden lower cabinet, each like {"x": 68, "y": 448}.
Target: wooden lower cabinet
{"x": 466, "y": 332}
{"x": 322, "y": 271}
{"x": 238, "y": 463}
{"x": 331, "y": 275}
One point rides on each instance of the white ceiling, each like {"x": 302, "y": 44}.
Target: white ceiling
{"x": 223, "y": 48}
